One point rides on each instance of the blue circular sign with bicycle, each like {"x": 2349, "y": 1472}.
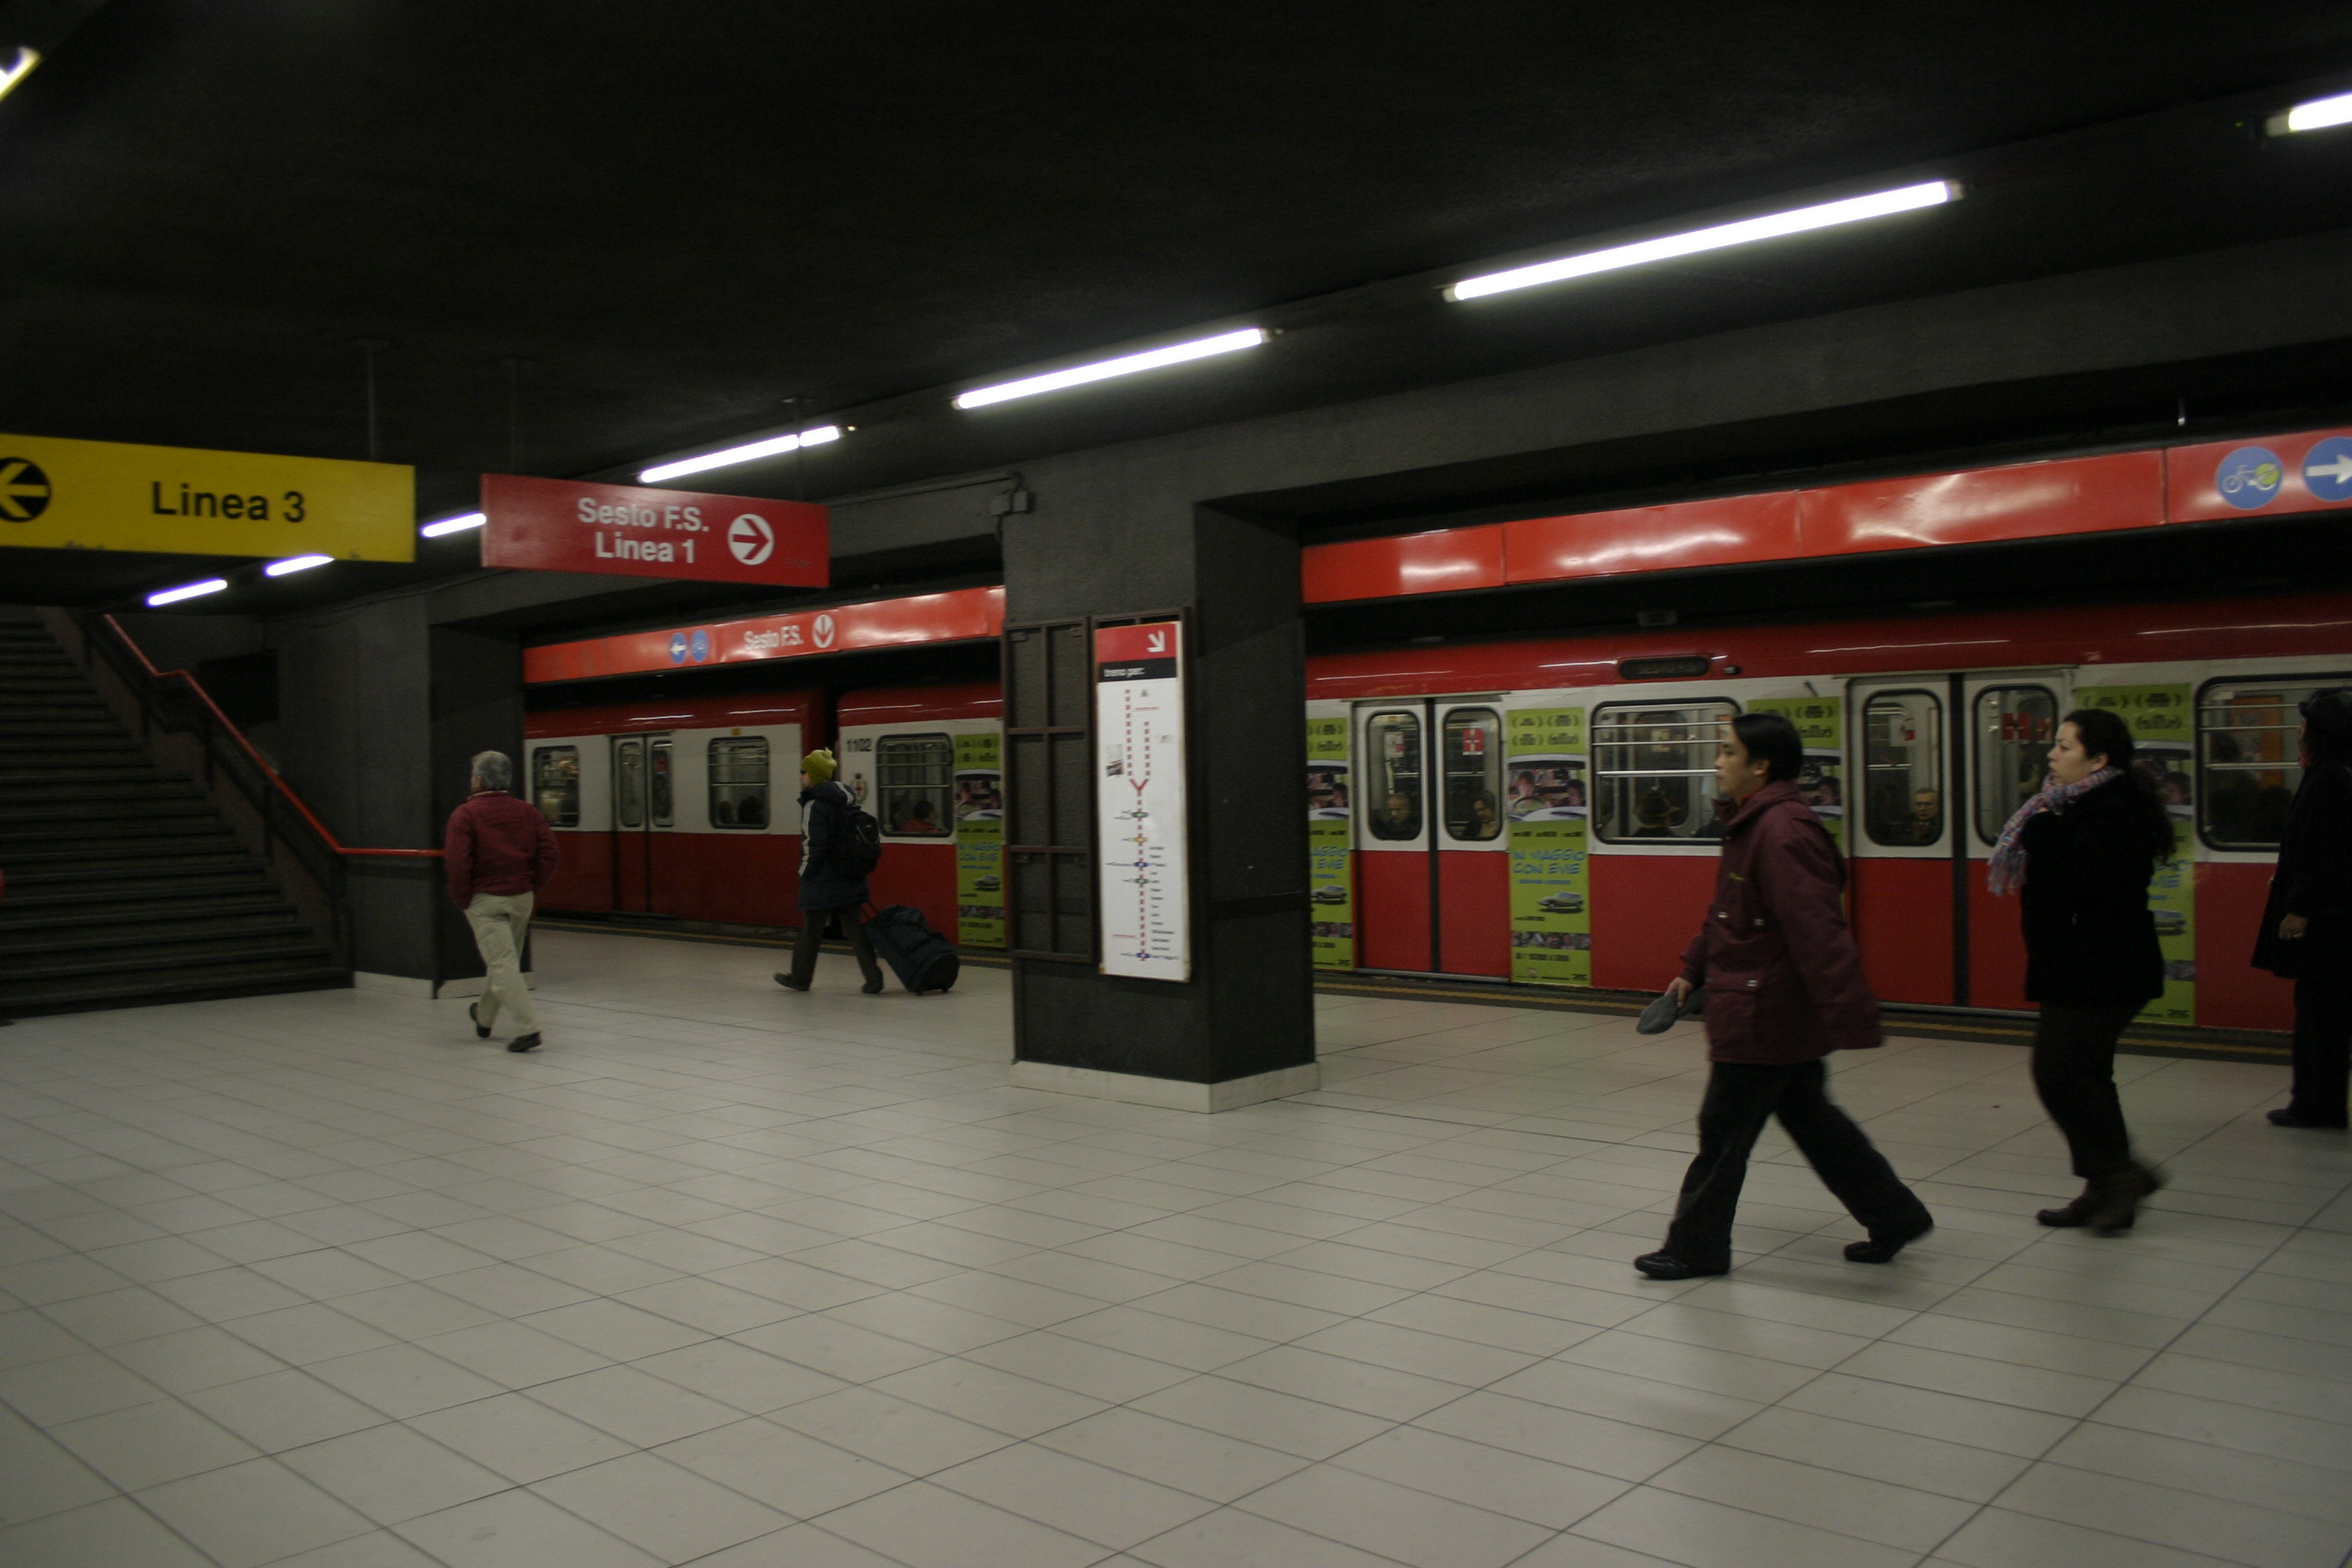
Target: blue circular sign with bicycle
{"x": 2250, "y": 478}
{"x": 678, "y": 647}
{"x": 2327, "y": 468}
{"x": 701, "y": 647}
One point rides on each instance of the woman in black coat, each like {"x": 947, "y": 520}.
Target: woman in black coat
{"x": 826, "y": 890}
{"x": 2306, "y": 934}
{"x": 2083, "y": 852}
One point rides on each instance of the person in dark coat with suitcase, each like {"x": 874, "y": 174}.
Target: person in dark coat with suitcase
{"x": 2306, "y": 934}
{"x": 826, "y": 889}
{"x": 2081, "y": 854}
{"x": 1784, "y": 989}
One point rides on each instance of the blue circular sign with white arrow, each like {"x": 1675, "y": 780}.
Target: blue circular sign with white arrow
{"x": 2250, "y": 478}
{"x": 2327, "y": 468}
{"x": 701, "y": 647}
{"x": 678, "y": 647}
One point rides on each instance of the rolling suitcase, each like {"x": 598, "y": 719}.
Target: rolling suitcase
{"x": 921, "y": 957}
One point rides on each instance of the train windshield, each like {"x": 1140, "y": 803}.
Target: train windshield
{"x": 1473, "y": 759}
{"x": 738, "y": 782}
{"x": 555, "y": 783}
{"x": 914, "y": 774}
{"x": 1393, "y": 741}
{"x": 2015, "y": 728}
{"x": 1655, "y": 768}
{"x": 1903, "y": 768}
{"x": 2252, "y": 764}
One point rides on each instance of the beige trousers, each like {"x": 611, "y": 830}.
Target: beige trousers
{"x": 499, "y": 921}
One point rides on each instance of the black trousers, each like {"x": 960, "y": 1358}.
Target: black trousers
{"x": 2323, "y": 1047}
{"x": 2075, "y": 1073}
{"x": 811, "y": 936}
{"x": 1740, "y": 1098}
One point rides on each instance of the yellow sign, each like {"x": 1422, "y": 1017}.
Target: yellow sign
{"x": 181, "y": 500}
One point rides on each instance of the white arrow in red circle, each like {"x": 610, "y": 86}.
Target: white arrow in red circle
{"x": 752, "y": 539}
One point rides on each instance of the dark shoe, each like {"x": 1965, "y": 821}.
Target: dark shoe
{"x": 524, "y": 1042}
{"x": 2119, "y": 1197}
{"x": 1666, "y": 1265}
{"x": 2077, "y": 1211}
{"x": 1882, "y": 1248}
{"x": 2283, "y": 1117}
{"x": 789, "y": 984}
{"x": 874, "y": 987}
{"x": 481, "y": 1030}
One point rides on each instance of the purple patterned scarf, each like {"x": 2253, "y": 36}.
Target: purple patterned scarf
{"x": 2007, "y": 872}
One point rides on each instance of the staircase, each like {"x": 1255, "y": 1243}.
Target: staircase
{"x": 124, "y": 887}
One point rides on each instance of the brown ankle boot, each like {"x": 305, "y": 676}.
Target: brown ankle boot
{"x": 2074, "y": 1211}
{"x": 2120, "y": 1196}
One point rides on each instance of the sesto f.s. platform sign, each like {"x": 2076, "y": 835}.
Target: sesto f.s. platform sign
{"x": 60, "y": 494}
{"x": 560, "y": 525}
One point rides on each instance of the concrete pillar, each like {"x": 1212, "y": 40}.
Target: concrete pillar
{"x": 1241, "y": 1028}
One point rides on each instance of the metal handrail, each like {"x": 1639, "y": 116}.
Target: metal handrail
{"x": 252, "y": 754}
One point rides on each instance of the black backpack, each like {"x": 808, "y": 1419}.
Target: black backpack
{"x": 856, "y": 847}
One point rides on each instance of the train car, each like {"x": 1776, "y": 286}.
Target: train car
{"x": 684, "y": 808}
{"x": 1540, "y": 811}
{"x": 926, "y": 762}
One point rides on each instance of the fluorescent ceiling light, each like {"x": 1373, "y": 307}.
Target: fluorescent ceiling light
{"x": 2320, "y": 113}
{"x": 743, "y": 454}
{"x": 17, "y": 72}
{"x": 186, "y": 590}
{"x": 1126, "y": 365}
{"x": 453, "y": 524}
{"x": 295, "y": 564}
{"x": 1935, "y": 193}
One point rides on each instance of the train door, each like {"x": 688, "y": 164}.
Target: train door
{"x": 1946, "y": 759}
{"x": 644, "y": 804}
{"x": 1435, "y": 866}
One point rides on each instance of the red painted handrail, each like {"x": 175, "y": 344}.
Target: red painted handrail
{"x": 258, "y": 759}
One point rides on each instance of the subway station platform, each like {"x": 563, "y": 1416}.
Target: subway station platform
{"x": 729, "y": 1275}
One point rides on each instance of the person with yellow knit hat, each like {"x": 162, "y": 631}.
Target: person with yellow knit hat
{"x": 827, "y": 890}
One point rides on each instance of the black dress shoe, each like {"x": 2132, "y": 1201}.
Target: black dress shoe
{"x": 2283, "y": 1117}
{"x": 2117, "y": 1197}
{"x": 1666, "y": 1265}
{"x": 524, "y": 1042}
{"x": 481, "y": 1030}
{"x": 2074, "y": 1211}
{"x": 1882, "y": 1248}
{"x": 873, "y": 988}
{"x": 789, "y": 984}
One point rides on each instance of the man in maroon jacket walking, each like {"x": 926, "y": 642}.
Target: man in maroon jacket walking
{"x": 500, "y": 853}
{"x": 1784, "y": 988}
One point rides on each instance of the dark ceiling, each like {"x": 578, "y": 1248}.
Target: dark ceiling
{"x": 664, "y": 221}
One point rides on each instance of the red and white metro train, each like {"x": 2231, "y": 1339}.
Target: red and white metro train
{"x": 1538, "y": 811}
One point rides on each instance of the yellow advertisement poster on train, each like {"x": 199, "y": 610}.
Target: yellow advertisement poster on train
{"x": 1331, "y": 881}
{"x": 980, "y": 841}
{"x": 2163, "y": 723}
{"x": 1821, "y": 724}
{"x": 1551, "y": 910}
{"x": 61, "y": 494}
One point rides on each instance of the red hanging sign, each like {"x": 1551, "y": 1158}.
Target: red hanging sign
{"x": 563, "y": 525}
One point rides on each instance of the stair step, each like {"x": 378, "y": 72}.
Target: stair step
{"x": 52, "y": 849}
{"x": 198, "y": 983}
{"x": 157, "y": 941}
{"x": 157, "y": 891}
{"x": 176, "y": 955}
{"x": 162, "y": 874}
{"x": 58, "y": 913}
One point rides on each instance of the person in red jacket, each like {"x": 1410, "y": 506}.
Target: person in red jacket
{"x": 498, "y": 854}
{"x": 1784, "y": 988}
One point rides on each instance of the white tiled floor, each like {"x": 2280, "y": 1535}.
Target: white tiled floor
{"x": 733, "y": 1276}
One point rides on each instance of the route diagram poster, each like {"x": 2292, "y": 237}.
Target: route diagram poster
{"x": 1140, "y": 801}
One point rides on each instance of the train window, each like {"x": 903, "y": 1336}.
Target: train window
{"x": 2249, "y": 763}
{"x": 1472, "y": 756}
{"x": 629, "y": 782}
{"x": 1655, "y": 769}
{"x": 1393, "y": 741}
{"x": 663, "y": 798}
{"x": 916, "y": 776}
{"x": 738, "y": 782}
{"x": 555, "y": 783}
{"x": 1902, "y": 767}
{"x": 2015, "y": 726}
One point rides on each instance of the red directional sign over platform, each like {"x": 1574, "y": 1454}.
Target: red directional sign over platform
{"x": 561, "y": 525}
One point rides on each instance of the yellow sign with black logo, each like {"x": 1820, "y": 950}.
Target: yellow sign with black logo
{"x": 58, "y": 494}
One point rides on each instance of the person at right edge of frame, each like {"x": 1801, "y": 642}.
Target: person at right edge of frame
{"x": 826, "y": 889}
{"x": 499, "y": 856}
{"x": 2080, "y": 855}
{"x": 2306, "y": 934}
{"x": 1784, "y": 989}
